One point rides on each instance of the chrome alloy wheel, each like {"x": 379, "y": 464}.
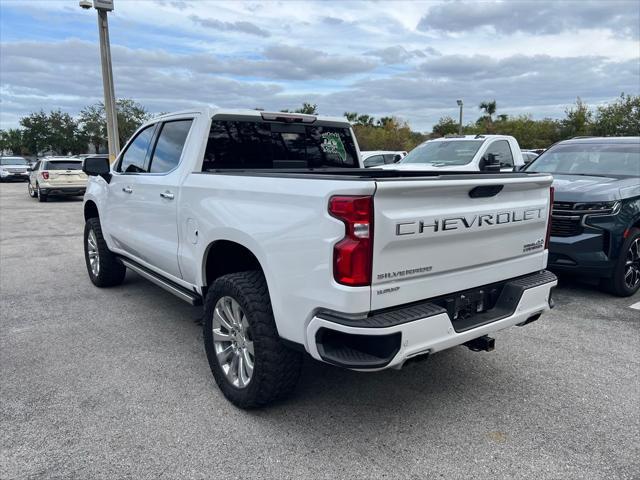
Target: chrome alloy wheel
{"x": 632, "y": 265}
{"x": 232, "y": 342}
{"x": 93, "y": 254}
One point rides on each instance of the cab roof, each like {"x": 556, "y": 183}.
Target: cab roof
{"x": 258, "y": 114}
{"x": 479, "y": 136}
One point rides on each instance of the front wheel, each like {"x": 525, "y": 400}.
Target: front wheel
{"x": 625, "y": 280}
{"x": 249, "y": 362}
{"x": 104, "y": 268}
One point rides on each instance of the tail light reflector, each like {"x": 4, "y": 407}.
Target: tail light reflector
{"x": 546, "y": 240}
{"x": 45, "y": 175}
{"x": 353, "y": 255}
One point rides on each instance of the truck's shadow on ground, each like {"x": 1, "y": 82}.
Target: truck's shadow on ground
{"x": 452, "y": 384}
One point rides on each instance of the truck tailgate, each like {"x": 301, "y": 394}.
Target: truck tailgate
{"x": 447, "y": 234}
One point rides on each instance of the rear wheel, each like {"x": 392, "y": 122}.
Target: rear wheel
{"x": 104, "y": 269}
{"x": 32, "y": 191}
{"x": 249, "y": 362}
{"x": 625, "y": 280}
{"x": 42, "y": 197}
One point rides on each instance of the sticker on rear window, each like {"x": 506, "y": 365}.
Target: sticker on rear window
{"x": 332, "y": 145}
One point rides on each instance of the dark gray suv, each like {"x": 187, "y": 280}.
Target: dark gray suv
{"x": 595, "y": 228}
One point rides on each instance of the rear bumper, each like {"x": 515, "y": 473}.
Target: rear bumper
{"x": 390, "y": 338}
{"x": 55, "y": 190}
{"x": 6, "y": 176}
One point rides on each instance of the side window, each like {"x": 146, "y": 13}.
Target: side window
{"x": 169, "y": 145}
{"x": 374, "y": 161}
{"x": 132, "y": 160}
{"x": 389, "y": 158}
{"x": 502, "y": 151}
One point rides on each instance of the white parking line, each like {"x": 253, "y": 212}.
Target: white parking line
{"x": 635, "y": 306}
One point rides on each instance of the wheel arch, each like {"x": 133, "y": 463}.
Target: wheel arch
{"x": 226, "y": 256}
{"x": 90, "y": 210}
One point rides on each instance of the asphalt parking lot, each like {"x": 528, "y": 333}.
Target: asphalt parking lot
{"x": 114, "y": 383}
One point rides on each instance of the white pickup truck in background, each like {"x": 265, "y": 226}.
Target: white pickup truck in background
{"x": 270, "y": 220}
{"x": 466, "y": 153}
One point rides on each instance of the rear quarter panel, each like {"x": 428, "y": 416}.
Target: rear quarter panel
{"x": 285, "y": 223}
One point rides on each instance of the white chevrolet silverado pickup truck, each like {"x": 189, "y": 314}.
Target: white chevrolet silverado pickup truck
{"x": 464, "y": 153}
{"x": 271, "y": 222}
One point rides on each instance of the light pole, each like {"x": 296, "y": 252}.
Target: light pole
{"x": 104, "y": 6}
{"x": 459, "y": 102}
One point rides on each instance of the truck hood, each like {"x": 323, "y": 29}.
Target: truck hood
{"x": 582, "y": 188}
{"x": 426, "y": 167}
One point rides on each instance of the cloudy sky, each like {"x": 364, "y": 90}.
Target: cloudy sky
{"x": 408, "y": 59}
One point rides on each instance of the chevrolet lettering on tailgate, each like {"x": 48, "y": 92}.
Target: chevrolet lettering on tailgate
{"x": 476, "y": 221}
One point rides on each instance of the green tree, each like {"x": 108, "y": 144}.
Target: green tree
{"x": 64, "y": 135}
{"x": 489, "y": 108}
{"x": 93, "y": 121}
{"x": 384, "y": 121}
{"x": 352, "y": 117}
{"x": 11, "y": 140}
{"x": 131, "y": 115}
{"x": 619, "y": 118}
{"x": 446, "y": 126}
{"x": 486, "y": 120}
{"x": 385, "y": 134}
{"x": 578, "y": 120}
{"x": 34, "y": 135}
{"x": 94, "y": 125}
{"x": 308, "y": 108}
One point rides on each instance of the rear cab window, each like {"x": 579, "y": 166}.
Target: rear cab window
{"x": 255, "y": 144}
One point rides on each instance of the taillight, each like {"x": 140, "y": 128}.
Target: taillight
{"x": 546, "y": 240}
{"x": 45, "y": 175}
{"x": 352, "y": 256}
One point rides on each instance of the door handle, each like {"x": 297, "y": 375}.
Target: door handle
{"x": 168, "y": 195}
{"x": 127, "y": 189}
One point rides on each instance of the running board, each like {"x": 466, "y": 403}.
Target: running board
{"x": 190, "y": 297}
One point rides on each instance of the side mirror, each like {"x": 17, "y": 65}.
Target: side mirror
{"x": 491, "y": 163}
{"x": 97, "y": 167}
{"x": 397, "y": 158}
{"x": 29, "y": 169}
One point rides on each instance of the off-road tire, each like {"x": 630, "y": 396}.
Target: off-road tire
{"x": 276, "y": 367}
{"x": 111, "y": 271}
{"x": 616, "y": 283}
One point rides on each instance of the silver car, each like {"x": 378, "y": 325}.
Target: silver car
{"x": 13, "y": 168}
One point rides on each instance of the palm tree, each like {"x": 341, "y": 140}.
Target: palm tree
{"x": 489, "y": 108}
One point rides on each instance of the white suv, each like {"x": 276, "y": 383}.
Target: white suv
{"x": 57, "y": 176}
